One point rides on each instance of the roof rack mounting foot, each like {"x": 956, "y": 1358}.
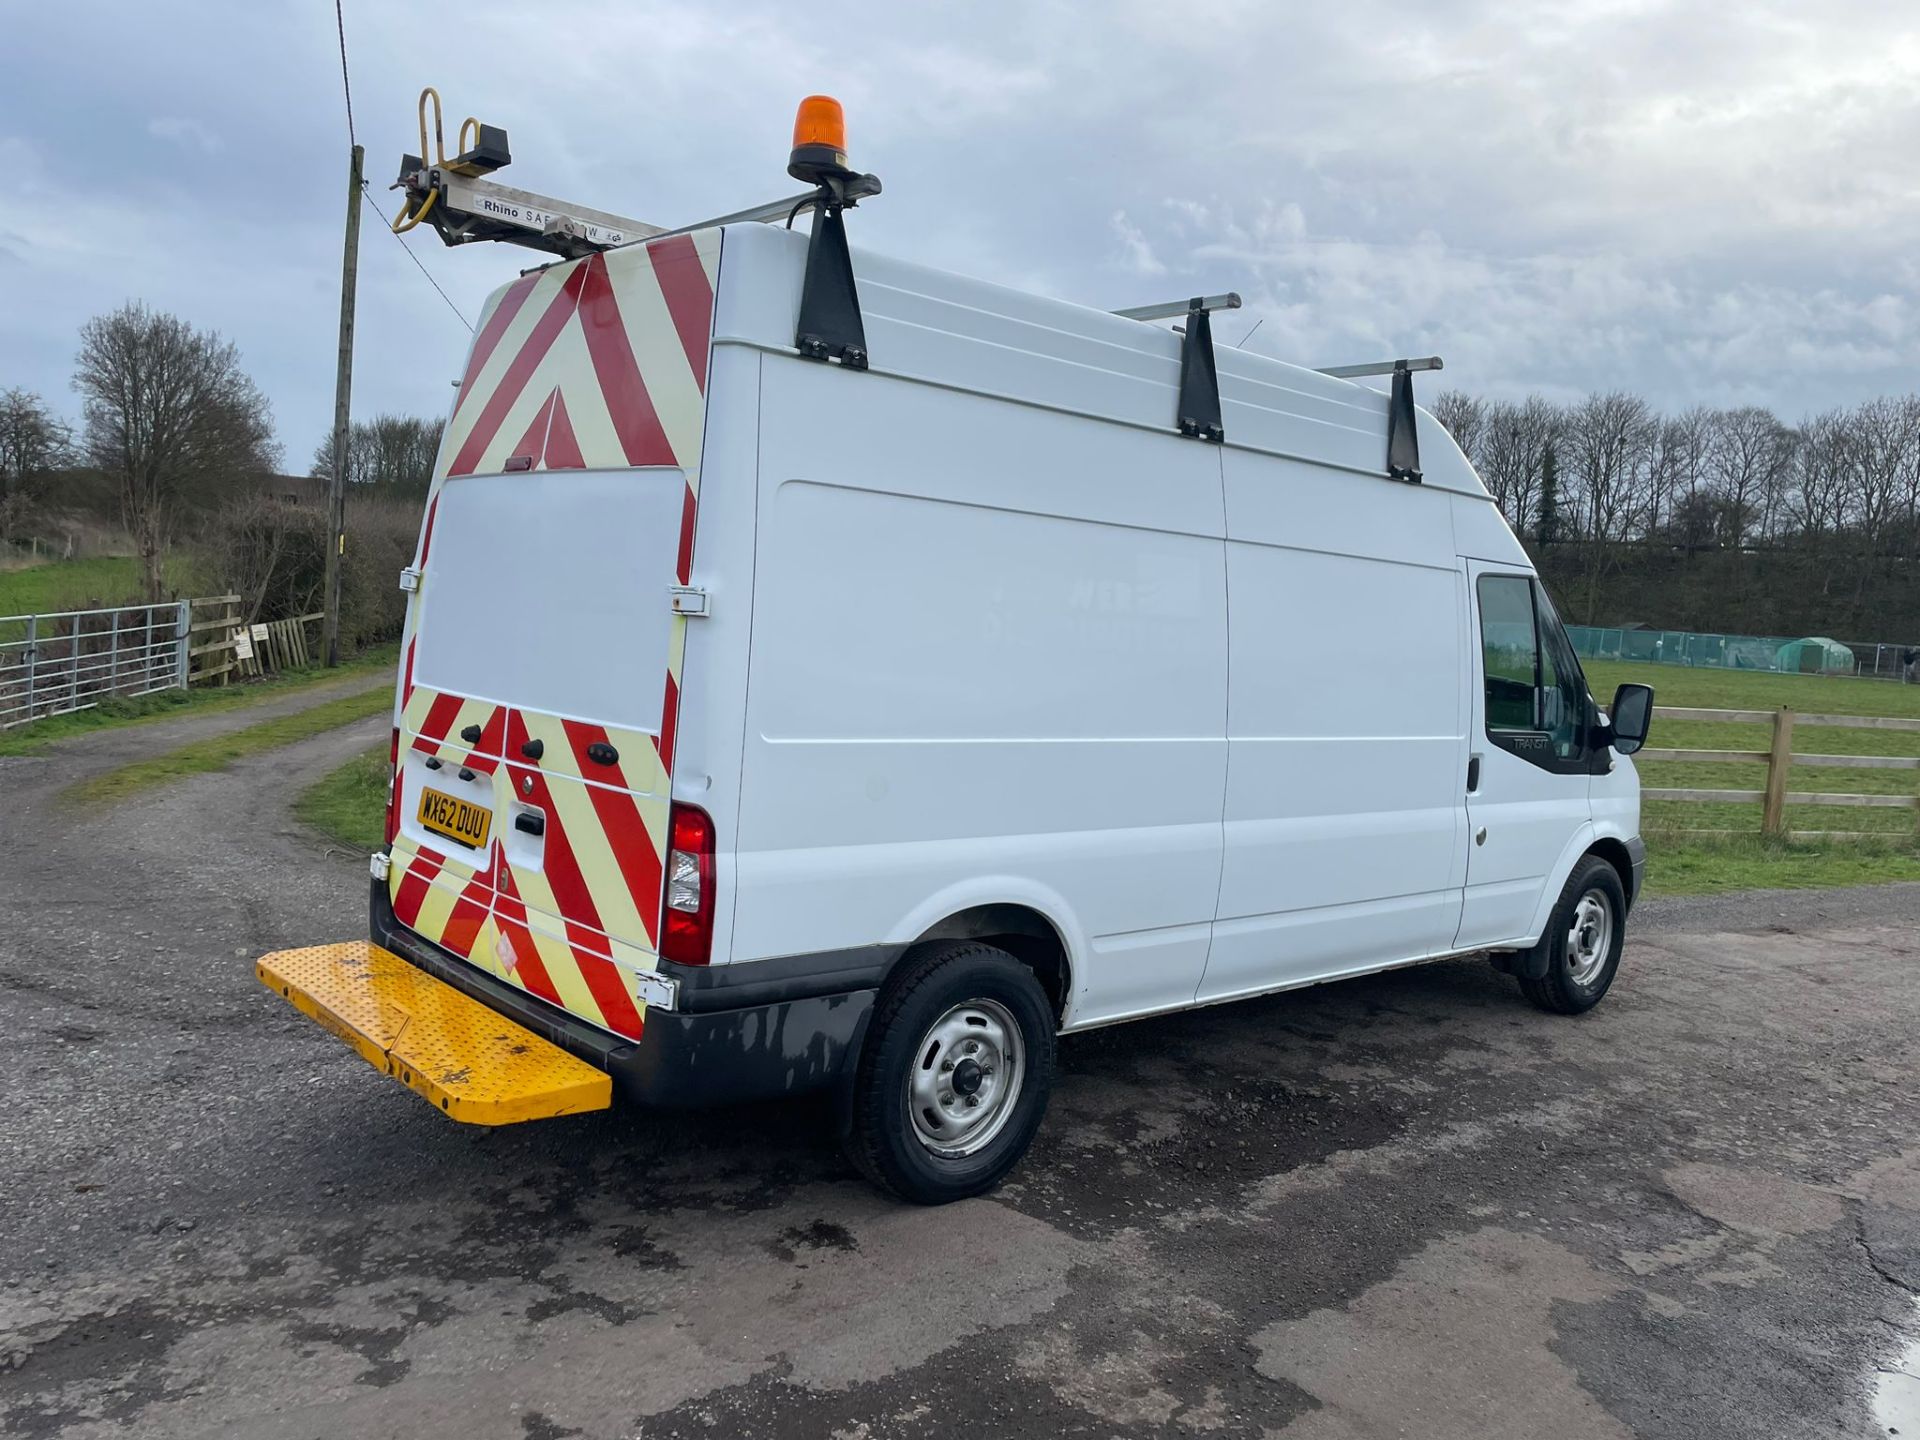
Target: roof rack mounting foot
{"x": 1403, "y": 432}
{"x": 1199, "y": 413}
{"x": 830, "y": 327}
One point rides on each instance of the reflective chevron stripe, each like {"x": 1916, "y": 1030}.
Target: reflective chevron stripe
{"x": 600, "y": 363}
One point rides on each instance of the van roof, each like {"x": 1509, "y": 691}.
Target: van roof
{"x": 952, "y": 330}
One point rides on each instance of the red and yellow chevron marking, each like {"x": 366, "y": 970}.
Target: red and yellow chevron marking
{"x": 596, "y": 364}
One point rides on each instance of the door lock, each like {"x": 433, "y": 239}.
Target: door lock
{"x": 1480, "y": 836}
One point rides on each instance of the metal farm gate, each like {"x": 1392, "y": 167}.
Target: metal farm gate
{"x": 54, "y": 664}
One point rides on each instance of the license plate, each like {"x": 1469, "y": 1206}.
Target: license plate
{"x": 455, "y": 818}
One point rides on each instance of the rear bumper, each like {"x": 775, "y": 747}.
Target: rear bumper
{"x": 792, "y": 1041}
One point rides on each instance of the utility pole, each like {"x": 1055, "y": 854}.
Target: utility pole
{"x": 342, "y": 398}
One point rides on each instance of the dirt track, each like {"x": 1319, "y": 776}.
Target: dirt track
{"x": 1408, "y": 1205}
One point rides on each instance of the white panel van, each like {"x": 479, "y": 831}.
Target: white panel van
{"x": 771, "y": 726}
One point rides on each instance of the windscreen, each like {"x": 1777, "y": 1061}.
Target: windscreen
{"x": 548, "y": 591}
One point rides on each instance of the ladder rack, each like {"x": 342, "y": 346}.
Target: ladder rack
{"x": 461, "y": 201}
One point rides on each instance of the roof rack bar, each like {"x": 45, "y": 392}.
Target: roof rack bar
{"x": 772, "y": 210}
{"x": 1382, "y": 367}
{"x": 1174, "y": 308}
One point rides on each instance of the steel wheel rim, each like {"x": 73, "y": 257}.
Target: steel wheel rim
{"x": 966, "y": 1079}
{"x": 1590, "y": 937}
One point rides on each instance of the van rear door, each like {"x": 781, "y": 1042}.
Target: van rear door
{"x": 533, "y": 797}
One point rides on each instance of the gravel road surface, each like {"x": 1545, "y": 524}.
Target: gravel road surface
{"x": 1401, "y": 1206}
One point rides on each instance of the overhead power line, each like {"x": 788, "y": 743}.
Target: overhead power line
{"x": 368, "y": 193}
{"x": 340, "y": 24}
{"x": 346, "y": 87}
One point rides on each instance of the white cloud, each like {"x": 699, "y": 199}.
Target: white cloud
{"x": 186, "y": 132}
{"x": 1702, "y": 203}
{"x": 1136, "y": 255}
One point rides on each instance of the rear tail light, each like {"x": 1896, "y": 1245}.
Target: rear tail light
{"x": 393, "y": 787}
{"x": 686, "y": 926}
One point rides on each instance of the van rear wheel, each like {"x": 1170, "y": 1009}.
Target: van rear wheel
{"x": 955, "y": 1074}
{"x": 1583, "y": 941}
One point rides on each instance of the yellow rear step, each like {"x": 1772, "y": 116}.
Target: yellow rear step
{"x": 472, "y": 1062}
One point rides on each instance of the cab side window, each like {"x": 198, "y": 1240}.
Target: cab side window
{"x": 1510, "y": 648}
{"x": 1536, "y": 695}
{"x": 1563, "y": 688}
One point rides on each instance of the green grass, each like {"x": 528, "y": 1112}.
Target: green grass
{"x": 350, "y": 805}
{"x": 1709, "y": 689}
{"x": 1704, "y": 865}
{"x": 218, "y": 752}
{"x": 1741, "y": 859}
{"x": 168, "y": 704}
{"x": 95, "y": 583}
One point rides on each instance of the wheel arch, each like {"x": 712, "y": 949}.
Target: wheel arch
{"x": 1589, "y": 839}
{"x": 1024, "y": 932}
{"x": 1613, "y": 850}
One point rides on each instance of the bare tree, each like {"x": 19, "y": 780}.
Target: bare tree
{"x": 1608, "y": 441}
{"x": 1749, "y": 454}
{"x": 1464, "y": 417}
{"x": 1910, "y": 485}
{"x": 32, "y": 442}
{"x": 1512, "y": 457}
{"x": 392, "y": 454}
{"x": 166, "y": 406}
{"x": 1824, "y": 475}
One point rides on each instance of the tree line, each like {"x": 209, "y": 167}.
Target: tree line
{"x": 1711, "y": 519}
{"x": 177, "y": 440}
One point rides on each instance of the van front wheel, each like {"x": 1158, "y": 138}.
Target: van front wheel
{"x": 955, "y": 1075}
{"x": 1583, "y": 941}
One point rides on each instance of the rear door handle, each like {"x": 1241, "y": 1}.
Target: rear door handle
{"x": 530, "y": 822}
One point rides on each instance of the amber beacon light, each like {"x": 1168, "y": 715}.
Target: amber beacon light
{"x": 819, "y": 141}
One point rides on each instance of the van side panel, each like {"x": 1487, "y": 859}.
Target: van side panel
{"x": 952, "y": 616}
{"x": 597, "y": 365}
{"x": 1348, "y": 762}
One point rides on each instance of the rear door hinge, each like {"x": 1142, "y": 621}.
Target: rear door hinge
{"x": 409, "y": 580}
{"x": 688, "y": 600}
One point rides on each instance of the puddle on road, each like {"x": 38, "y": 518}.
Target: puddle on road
{"x": 1896, "y": 1390}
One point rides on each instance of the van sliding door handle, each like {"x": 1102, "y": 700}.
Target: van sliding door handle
{"x": 602, "y": 753}
{"x": 1473, "y": 773}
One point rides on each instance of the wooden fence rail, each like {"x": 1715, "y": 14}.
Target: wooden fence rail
{"x": 223, "y": 645}
{"x": 1780, "y": 758}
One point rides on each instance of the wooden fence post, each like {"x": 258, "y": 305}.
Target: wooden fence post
{"x": 1779, "y": 763}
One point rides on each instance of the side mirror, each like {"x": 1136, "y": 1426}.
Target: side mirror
{"x": 1631, "y": 716}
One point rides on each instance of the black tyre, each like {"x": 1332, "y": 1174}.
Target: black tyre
{"x": 1583, "y": 941}
{"x": 955, "y": 1074}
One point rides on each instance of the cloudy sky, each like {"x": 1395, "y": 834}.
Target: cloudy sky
{"x": 1701, "y": 201}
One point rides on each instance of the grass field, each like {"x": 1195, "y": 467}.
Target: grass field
{"x": 1682, "y": 863}
{"x": 96, "y": 583}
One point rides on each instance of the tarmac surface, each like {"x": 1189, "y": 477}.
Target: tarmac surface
{"x": 1408, "y": 1205}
